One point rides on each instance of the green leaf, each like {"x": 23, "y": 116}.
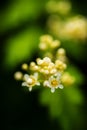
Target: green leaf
{"x": 64, "y": 105}
{"x": 52, "y": 101}
{"x": 76, "y": 49}
{"x": 74, "y": 71}
{"x": 21, "y": 46}
{"x": 20, "y": 11}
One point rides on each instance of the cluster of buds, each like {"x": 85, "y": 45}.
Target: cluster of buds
{"x": 63, "y": 24}
{"x": 47, "y": 42}
{"x": 47, "y": 72}
{"x": 75, "y": 28}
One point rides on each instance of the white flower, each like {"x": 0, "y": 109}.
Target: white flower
{"x": 30, "y": 81}
{"x": 54, "y": 82}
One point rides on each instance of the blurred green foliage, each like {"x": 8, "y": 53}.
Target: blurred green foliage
{"x": 76, "y": 49}
{"x": 21, "y": 46}
{"x": 20, "y": 11}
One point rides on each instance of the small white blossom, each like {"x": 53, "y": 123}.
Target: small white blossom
{"x": 54, "y": 82}
{"x": 30, "y": 81}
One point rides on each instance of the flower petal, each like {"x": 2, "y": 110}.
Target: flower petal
{"x": 26, "y": 76}
{"x": 60, "y": 86}
{"x": 24, "y": 84}
{"x": 30, "y": 88}
{"x": 52, "y": 90}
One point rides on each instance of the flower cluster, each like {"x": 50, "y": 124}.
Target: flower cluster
{"x": 47, "y": 71}
{"x": 47, "y": 42}
{"x": 63, "y": 24}
{"x": 73, "y": 28}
